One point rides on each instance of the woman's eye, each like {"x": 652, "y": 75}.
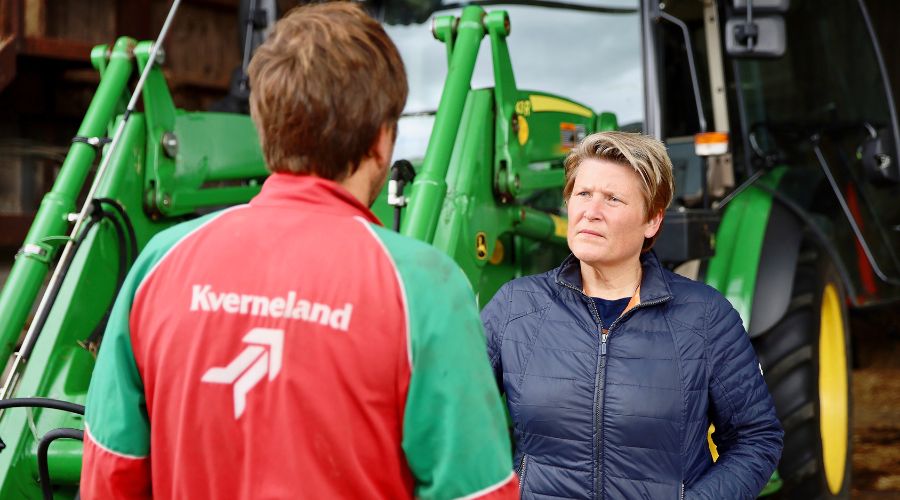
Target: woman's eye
{"x": 582, "y": 193}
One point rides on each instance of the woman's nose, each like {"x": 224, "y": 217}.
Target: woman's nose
{"x": 593, "y": 210}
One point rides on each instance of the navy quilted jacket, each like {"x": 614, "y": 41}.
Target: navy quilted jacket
{"x": 628, "y": 417}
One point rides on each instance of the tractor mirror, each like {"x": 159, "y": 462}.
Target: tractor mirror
{"x": 763, "y": 37}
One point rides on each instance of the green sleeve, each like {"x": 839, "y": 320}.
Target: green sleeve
{"x": 454, "y": 430}
{"x": 116, "y": 410}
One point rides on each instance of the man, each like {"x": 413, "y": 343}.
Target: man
{"x": 292, "y": 347}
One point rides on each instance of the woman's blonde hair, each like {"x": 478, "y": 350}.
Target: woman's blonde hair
{"x": 646, "y": 155}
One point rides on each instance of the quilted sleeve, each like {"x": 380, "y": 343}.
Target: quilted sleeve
{"x": 748, "y": 434}
{"x": 495, "y": 317}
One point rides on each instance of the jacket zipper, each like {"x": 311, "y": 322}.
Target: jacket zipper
{"x": 603, "y": 342}
{"x": 598, "y": 390}
{"x": 522, "y": 471}
{"x": 601, "y": 401}
{"x": 601, "y": 379}
{"x": 598, "y": 417}
{"x": 681, "y": 497}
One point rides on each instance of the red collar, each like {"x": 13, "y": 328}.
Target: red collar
{"x": 312, "y": 193}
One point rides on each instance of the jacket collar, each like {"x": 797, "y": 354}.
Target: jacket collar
{"x": 654, "y": 285}
{"x": 311, "y": 193}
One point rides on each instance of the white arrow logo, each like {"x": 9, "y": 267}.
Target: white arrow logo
{"x": 257, "y": 359}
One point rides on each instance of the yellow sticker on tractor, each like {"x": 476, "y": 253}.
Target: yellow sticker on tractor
{"x": 481, "y": 249}
{"x": 560, "y": 226}
{"x": 523, "y": 130}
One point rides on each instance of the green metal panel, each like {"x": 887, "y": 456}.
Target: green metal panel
{"x": 733, "y": 269}
{"x": 430, "y": 186}
{"x": 159, "y": 113}
{"x": 469, "y": 178}
{"x": 775, "y": 483}
{"x": 63, "y": 460}
{"x": 214, "y": 151}
{"x": 548, "y": 118}
{"x": 471, "y": 222}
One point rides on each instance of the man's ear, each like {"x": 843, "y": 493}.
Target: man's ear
{"x": 653, "y": 224}
{"x": 383, "y": 145}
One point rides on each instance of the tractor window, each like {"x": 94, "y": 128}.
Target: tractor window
{"x": 589, "y": 56}
{"x": 679, "y": 107}
{"x": 828, "y": 85}
{"x": 680, "y": 118}
{"x": 829, "y": 73}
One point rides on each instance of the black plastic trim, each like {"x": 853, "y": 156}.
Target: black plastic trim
{"x": 775, "y": 279}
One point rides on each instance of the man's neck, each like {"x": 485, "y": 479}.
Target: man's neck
{"x": 611, "y": 282}
{"x": 363, "y": 183}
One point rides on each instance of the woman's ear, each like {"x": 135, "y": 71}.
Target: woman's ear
{"x": 653, "y": 224}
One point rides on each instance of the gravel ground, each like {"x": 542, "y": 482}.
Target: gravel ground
{"x": 876, "y": 410}
{"x": 876, "y": 431}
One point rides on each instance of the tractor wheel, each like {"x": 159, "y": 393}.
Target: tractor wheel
{"x": 806, "y": 361}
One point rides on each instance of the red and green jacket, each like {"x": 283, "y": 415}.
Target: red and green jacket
{"x": 293, "y": 347}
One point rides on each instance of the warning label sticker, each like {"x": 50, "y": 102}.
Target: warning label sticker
{"x": 570, "y": 134}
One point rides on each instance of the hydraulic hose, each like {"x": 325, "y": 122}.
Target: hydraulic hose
{"x": 43, "y": 446}
{"x": 123, "y": 229}
{"x": 119, "y": 209}
{"x": 54, "y": 404}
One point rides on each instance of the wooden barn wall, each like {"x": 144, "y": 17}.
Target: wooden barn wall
{"x": 51, "y": 81}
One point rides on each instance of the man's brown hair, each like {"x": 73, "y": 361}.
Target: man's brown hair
{"x": 644, "y": 154}
{"x": 322, "y": 85}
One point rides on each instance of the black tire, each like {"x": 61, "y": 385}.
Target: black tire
{"x": 797, "y": 370}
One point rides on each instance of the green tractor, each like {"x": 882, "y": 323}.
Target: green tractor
{"x": 778, "y": 116}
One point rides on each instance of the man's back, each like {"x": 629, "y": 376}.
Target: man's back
{"x": 292, "y": 347}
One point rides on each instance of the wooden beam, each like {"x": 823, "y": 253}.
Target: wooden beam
{"x": 35, "y": 18}
{"x": 55, "y": 48}
{"x": 10, "y": 36}
{"x": 10, "y": 18}
{"x": 8, "y": 52}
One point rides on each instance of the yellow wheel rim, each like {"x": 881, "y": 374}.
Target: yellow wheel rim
{"x": 712, "y": 446}
{"x": 833, "y": 395}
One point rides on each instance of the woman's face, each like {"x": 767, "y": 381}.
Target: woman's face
{"x": 607, "y": 215}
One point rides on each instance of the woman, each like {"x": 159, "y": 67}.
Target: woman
{"x": 614, "y": 367}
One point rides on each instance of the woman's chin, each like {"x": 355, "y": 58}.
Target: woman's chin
{"x": 602, "y": 255}
{"x": 592, "y": 256}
